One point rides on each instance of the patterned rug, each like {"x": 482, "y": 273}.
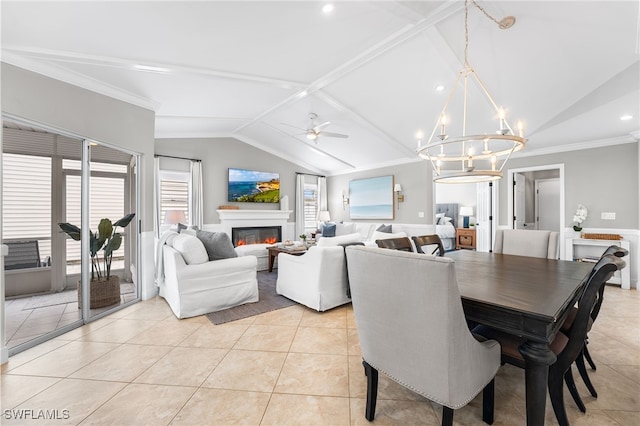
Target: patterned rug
{"x": 269, "y": 301}
{"x": 64, "y": 297}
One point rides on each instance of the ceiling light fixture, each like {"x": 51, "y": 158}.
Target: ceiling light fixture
{"x": 470, "y": 151}
{"x": 439, "y": 87}
{"x": 327, "y": 8}
{"x": 626, "y": 117}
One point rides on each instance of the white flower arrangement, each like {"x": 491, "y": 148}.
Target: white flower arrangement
{"x": 579, "y": 217}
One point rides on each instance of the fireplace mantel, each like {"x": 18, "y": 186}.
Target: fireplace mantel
{"x": 253, "y": 215}
{"x": 230, "y": 219}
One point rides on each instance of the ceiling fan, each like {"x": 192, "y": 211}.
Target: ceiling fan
{"x": 314, "y": 131}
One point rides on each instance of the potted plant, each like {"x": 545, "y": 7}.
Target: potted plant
{"x": 105, "y": 288}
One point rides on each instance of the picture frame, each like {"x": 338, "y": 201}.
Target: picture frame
{"x": 371, "y": 198}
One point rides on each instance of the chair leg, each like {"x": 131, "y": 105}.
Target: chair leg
{"x": 488, "y": 397}
{"x": 583, "y": 373}
{"x": 447, "y": 416}
{"x": 587, "y": 356}
{"x": 555, "y": 384}
{"x": 568, "y": 378}
{"x": 372, "y": 390}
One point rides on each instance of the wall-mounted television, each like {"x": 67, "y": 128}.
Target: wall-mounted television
{"x": 252, "y": 186}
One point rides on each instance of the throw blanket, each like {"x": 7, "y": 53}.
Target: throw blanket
{"x": 159, "y": 257}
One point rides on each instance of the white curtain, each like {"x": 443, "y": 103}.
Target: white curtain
{"x": 195, "y": 195}
{"x": 322, "y": 195}
{"x": 156, "y": 196}
{"x": 299, "y": 206}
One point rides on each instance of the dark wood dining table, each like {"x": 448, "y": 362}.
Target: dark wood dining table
{"x": 523, "y": 296}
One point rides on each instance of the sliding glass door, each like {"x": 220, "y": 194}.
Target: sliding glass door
{"x": 51, "y": 179}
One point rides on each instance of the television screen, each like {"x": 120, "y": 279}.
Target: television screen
{"x": 251, "y": 186}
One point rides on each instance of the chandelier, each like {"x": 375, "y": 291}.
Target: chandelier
{"x": 475, "y": 157}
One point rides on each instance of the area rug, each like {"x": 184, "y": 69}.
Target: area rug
{"x": 269, "y": 301}
{"x": 64, "y": 297}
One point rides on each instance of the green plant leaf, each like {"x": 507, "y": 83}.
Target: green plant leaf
{"x": 125, "y": 220}
{"x": 113, "y": 245}
{"x": 71, "y": 230}
{"x": 105, "y": 229}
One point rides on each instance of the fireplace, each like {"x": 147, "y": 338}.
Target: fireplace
{"x": 256, "y": 235}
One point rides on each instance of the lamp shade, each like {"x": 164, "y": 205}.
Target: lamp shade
{"x": 397, "y": 187}
{"x": 171, "y": 217}
{"x": 323, "y": 216}
{"x": 466, "y": 211}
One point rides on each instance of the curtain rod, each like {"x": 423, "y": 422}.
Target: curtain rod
{"x": 310, "y": 174}
{"x": 177, "y": 158}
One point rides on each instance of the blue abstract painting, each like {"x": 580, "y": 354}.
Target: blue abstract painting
{"x": 371, "y": 198}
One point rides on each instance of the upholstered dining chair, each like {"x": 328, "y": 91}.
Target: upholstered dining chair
{"x": 566, "y": 347}
{"x": 532, "y": 243}
{"x": 416, "y": 334}
{"x": 401, "y": 243}
{"x": 429, "y": 240}
{"x": 584, "y": 354}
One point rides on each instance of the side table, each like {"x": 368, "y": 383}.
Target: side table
{"x": 274, "y": 251}
{"x": 465, "y": 238}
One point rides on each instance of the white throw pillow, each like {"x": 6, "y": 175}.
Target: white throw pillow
{"x": 191, "y": 249}
{"x": 342, "y": 239}
{"x": 345, "y": 228}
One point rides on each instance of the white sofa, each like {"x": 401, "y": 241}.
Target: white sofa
{"x": 195, "y": 286}
{"x": 317, "y": 279}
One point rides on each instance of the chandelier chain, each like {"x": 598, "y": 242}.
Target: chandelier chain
{"x": 466, "y": 27}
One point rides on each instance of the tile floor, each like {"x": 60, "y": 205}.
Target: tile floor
{"x": 24, "y": 324}
{"x": 292, "y": 366}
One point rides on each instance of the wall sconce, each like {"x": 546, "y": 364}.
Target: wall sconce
{"x": 397, "y": 188}
{"x": 345, "y": 200}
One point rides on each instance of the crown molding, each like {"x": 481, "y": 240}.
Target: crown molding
{"x": 620, "y": 140}
{"x": 77, "y": 79}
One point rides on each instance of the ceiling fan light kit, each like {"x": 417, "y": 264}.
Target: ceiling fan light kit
{"x": 492, "y": 150}
{"x": 314, "y": 132}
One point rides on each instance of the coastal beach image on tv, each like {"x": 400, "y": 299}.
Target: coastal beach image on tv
{"x": 251, "y": 186}
{"x": 371, "y": 198}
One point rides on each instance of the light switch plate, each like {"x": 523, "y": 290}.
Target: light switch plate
{"x": 420, "y": 214}
{"x": 608, "y": 216}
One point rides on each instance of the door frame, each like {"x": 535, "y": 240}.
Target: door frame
{"x": 561, "y": 213}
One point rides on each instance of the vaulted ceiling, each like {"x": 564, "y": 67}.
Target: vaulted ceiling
{"x": 255, "y": 70}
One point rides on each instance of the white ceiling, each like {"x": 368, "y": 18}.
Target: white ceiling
{"x": 567, "y": 69}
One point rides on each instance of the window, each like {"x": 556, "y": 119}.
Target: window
{"x": 174, "y": 197}
{"x": 310, "y": 207}
{"x": 26, "y": 186}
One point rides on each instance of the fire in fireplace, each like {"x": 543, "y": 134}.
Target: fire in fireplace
{"x": 256, "y": 235}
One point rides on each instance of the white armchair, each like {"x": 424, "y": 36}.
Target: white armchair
{"x": 530, "y": 243}
{"x": 317, "y": 279}
{"x": 200, "y": 288}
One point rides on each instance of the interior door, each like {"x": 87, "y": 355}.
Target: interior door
{"x": 519, "y": 201}
{"x": 547, "y": 193}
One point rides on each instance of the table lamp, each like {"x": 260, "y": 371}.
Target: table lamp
{"x": 465, "y": 212}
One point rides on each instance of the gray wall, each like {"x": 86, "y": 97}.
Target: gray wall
{"x": 87, "y": 114}
{"x": 603, "y": 179}
{"x": 217, "y": 155}
{"x": 417, "y": 187}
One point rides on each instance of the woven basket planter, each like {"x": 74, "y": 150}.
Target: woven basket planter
{"x": 103, "y": 293}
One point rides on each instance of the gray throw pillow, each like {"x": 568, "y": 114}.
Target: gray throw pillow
{"x": 329, "y": 230}
{"x": 217, "y": 244}
{"x": 384, "y": 228}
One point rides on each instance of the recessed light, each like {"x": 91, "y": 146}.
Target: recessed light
{"x": 626, "y": 117}
{"x": 327, "y": 8}
{"x": 439, "y": 87}
{"x": 150, "y": 68}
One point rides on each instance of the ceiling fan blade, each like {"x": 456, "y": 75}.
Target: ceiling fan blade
{"x": 332, "y": 135}
{"x": 321, "y": 125}
{"x": 295, "y": 127}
